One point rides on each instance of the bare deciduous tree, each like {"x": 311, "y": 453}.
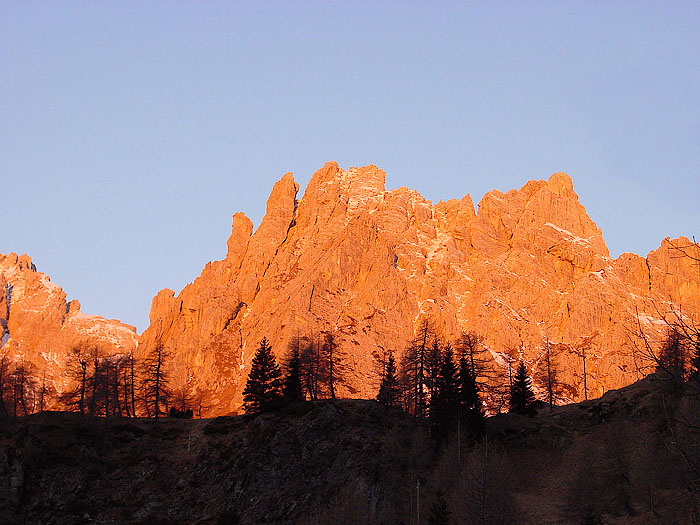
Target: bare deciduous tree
{"x": 333, "y": 364}
{"x": 547, "y": 373}
{"x": 156, "y": 381}
{"x": 310, "y": 358}
{"x": 414, "y": 366}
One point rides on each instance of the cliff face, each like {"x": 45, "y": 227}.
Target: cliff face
{"x": 39, "y": 328}
{"x": 370, "y": 265}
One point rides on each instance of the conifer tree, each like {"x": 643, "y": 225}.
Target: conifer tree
{"x": 433, "y": 363}
{"x": 264, "y": 385}
{"x": 471, "y": 409}
{"x": 521, "y": 395}
{"x": 292, "y": 390}
{"x": 389, "y": 390}
{"x": 440, "y": 512}
{"x": 444, "y": 404}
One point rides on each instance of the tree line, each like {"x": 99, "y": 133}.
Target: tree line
{"x": 434, "y": 381}
{"x": 444, "y": 383}
{"x": 116, "y": 385}
{"x": 21, "y": 392}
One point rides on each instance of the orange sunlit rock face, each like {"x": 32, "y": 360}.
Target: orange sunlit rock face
{"x": 39, "y": 328}
{"x": 370, "y": 265}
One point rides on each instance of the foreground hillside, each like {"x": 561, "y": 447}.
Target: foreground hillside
{"x": 618, "y": 459}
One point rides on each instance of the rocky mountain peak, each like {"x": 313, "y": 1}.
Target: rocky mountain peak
{"x": 38, "y": 327}
{"x": 561, "y": 184}
{"x": 370, "y": 265}
{"x": 241, "y": 230}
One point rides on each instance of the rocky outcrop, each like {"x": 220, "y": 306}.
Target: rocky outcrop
{"x": 370, "y": 265}
{"x": 39, "y": 328}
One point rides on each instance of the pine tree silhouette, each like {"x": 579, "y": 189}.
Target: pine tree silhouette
{"x": 470, "y": 406}
{"x": 521, "y": 395}
{"x": 389, "y": 390}
{"x": 440, "y": 512}
{"x": 292, "y": 390}
{"x": 433, "y": 363}
{"x": 444, "y": 404}
{"x": 264, "y": 386}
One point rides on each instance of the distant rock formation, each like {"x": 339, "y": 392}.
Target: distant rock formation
{"x": 39, "y": 328}
{"x": 370, "y": 265}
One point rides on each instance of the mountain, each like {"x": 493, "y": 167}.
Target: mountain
{"x": 371, "y": 265}
{"x": 39, "y": 328}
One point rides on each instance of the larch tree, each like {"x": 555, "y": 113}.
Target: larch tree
{"x": 547, "y": 374}
{"x": 156, "y": 381}
{"x": 200, "y": 402}
{"x": 78, "y": 361}
{"x": 129, "y": 384}
{"x": 183, "y": 400}
{"x": 414, "y": 370}
{"x": 310, "y": 360}
{"x": 264, "y": 386}
{"x": 333, "y": 364}
{"x": 24, "y": 390}
{"x": 43, "y": 392}
{"x": 469, "y": 345}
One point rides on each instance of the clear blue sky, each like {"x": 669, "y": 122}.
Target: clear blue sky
{"x": 131, "y": 131}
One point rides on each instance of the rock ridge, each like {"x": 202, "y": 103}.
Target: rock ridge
{"x": 38, "y": 327}
{"x": 370, "y": 264}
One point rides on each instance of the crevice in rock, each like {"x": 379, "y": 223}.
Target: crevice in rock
{"x": 646, "y": 261}
{"x": 8, "y": 301}
{"x": 233, "y": 316}
{"x": 4, "y": 333}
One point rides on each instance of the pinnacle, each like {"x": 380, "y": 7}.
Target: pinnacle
{"x": 560, "y": 183}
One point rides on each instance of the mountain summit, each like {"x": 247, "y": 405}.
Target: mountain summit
{"x": 371, "y": 265}
{"x": 39, "y": 327}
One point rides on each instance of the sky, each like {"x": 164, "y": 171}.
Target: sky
{"x": 130, "y": 132}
